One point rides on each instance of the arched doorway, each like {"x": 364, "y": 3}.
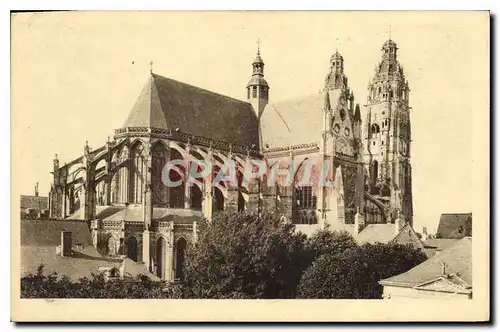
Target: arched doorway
{"x": 132, "y": 248}
{"x": 179, "y": 258}
{"x": 160, "y": 258}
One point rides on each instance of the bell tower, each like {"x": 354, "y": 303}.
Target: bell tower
{"x": 387, "y": 135}
{"x": 257, "y": 87}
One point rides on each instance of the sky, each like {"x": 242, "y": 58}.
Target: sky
{"x": 75, "y": 77}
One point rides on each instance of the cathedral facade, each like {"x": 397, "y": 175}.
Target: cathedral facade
{"x": 362, "y": 152}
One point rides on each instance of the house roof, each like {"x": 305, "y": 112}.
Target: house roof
{"x": 34, "y": 202}
{"x": 48, "y": 232}
{"x": 440, "y": 244}
{"x": 385, "y": 233}
{"x": 454, "y": 225}
{"x": 457, "y": 260}
{"x": 39, "y": 239}
{"x": 165, "y": 103}
{"x": 373, "y": 233}
{"x": 83, "y": 263}
{"x": 296, "y": 121}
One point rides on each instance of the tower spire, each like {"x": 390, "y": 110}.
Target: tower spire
{"x": 257, "y": 87}
{"x": 150, "y": 67}
{"x": 390, "y": 31}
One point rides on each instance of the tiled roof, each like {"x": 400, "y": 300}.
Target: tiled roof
{"x": 135, "y": 213}
{"x": 454, "y": 225}
{"x": 48, "y": 232}
{"x": 385, "y": 233}
{"x": 296, "y": 121}
{"x": 373, "y": 233}
{"x": 440, "y": 244}
{"x": 165, "y": 103}
{"x": 39, "y": 239}
{"x": 457, "y": 260}
{"x": 433, "y": 246}
{"x": 83, "y": 263}
{"x": 34, "y": 202}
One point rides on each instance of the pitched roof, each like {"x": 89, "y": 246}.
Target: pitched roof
{"x": 39, "y": 239}
{"x": 135, "y": 213}
{"x": 296, "y": 121}
{"x": 48, "y": 232}
{"x": 83, "y": 263}
{"x": 440, "y": 244}
{"x": 457, "y": 260}
{"x": 373, "y": 233}
{"x": 454, "y": 225}
{"x": 165, "y": 103}
{"x": 385, "y": 233}
{"x": 34, "y": 202}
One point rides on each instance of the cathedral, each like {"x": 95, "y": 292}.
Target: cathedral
{"x": 363, "y": 151}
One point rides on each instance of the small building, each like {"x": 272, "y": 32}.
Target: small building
{"x": 451, "y": 228}
{"x": 447, "y": 275}
{"x": 43, "y": 244}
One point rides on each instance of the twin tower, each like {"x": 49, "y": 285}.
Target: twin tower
{"x": 385, "y": 126}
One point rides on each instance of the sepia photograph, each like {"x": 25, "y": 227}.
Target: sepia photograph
{"x": 250, "y": 157}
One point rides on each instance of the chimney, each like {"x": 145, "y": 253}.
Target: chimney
{"x": 65, "y": 243}
{"x": 424, "y": 234}
{"x": 443, "y": 269}
{"x": 36, "y": 190}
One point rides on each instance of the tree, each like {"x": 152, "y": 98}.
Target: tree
{"x": 243, "y": 255}
{"x": 331, "y": 242}
{"x": 354, "y": 274}
{"x": 52, "y": 286}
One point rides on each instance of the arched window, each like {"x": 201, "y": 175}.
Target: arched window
{"x": 342, "y": 114}
{"x": 218, "y": 200}
{"x": 176, "y": 194}
{"x": 241, "y": 202}
{"x": 254, "y": 92}
{"x": 132, "y": 248}
{"x": 160, "y": 257}
{"x": 374, "y": 172}
{"x": 180, "y": 249}
{"x": 375, "y": 129}
{"x": 196, "y": 197}
{"x": 305, "y": 198}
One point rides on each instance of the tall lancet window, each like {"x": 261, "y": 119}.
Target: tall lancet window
{"x": 138, "y": 173}
{"x": 158, "y": 163}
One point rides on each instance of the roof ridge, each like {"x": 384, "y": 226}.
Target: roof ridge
{"x": 200, "y": 88}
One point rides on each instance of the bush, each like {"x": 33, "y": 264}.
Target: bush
{"x": 244, "y": 255}
{"x": 354, "y": 274}
{"x": 41, "y": 286}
